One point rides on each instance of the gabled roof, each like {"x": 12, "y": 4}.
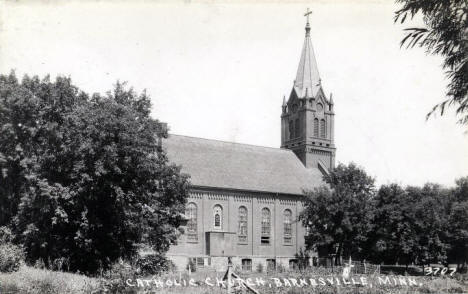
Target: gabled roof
{"x": 226, "y": 165}
{"x": 307, "y": 81}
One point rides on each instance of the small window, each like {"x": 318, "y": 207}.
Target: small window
{"x": 218, "y": 217}
{"x": 323, "y": 128}
{"x": 293, "y": 264}
{"x": 247, "y": 264}
{"x": 271, "y": 264}
{"x": 296, "y": 128}
{"x": 294, "y": 108}
{"x": 316, "y": 127}
{"x": 266, "y": 226}
{"x": 291, "y": 130}
{"x": 319, "y": 107}
{"x": 200, "y": 262}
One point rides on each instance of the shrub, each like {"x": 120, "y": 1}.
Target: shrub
{"x": 11, "y": 257}
{"x": 114, "y": 279}
{"x": 153, "y": 264}
{"x": 191, "y": 265}
{"x": 39, "y": 264}
{"x": 6, "y": 236}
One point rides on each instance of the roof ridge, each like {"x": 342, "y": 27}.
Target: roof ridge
{"x": 230, "y": 142}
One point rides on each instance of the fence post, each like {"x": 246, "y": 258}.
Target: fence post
{"x": 229, "y": 274}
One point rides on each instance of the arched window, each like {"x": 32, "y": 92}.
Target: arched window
{"x": 296, "y": 128}
{"x": 323, "y": 128}
{"x": 242, "y": 231}
{"x": 291, "y": 130}
{"x": 287, "y": 220}
{"x": 266, "y": 226}
{"x": 316, "y": 127}
{"x": 191, "y": 214}
{"x": 217, "y": 217}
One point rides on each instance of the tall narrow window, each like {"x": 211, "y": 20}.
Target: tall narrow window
{"x": 266, "y": 226}
{"x": 247, "y": 264}
{"x": 316, "y": 127}
{"x": 323, "y": 128}
{"x": 242, "y": 231}
{"x": 296, "y": 128}
{"x": 287, "y": 226}
{"x": 291, "y": 130}
{"x": 217, "y": 217}
{"x": 191, "y": 214}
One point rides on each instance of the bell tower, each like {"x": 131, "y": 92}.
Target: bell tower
{"x": 307, "y": 118}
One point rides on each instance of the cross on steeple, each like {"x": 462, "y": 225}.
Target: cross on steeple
{"x": 308, "y": 12}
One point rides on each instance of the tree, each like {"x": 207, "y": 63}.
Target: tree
{"x": 429, "y": 206}
{"x": 458, "y": 223}
{"x": 339, "y": 215}
{"x": 411, "y": 225}
{"x": 445, "y": 33}
{"x": 84, "y": 178}
{"x": 392, "y": 237}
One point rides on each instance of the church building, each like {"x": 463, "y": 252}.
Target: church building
{"x": 244, "y": 199}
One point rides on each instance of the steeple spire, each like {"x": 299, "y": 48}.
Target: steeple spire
{"x": 307, "y": 77}
{"x": 307, "y": 125}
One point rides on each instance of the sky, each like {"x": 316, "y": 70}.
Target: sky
{"x": 219, "y": 70}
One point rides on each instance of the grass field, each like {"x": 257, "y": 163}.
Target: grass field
{"x": 32, "y": 280}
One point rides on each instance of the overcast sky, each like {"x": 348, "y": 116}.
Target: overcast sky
{"x": 220, "y": 71}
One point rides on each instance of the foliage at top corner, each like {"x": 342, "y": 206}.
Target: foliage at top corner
{"x": 445, "y": 33}
{"x": 83, "y": 176}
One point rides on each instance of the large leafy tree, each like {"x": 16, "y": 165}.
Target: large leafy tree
{"x": 392, "y": 237}
{"x": 429, "y": 206}
{"x": 339, "y": 215}
{"x": 411, "y": 225}
{"x": 84, "y": 178}
{"x": 445, "y": 33}
{"x": 458, "y": 223}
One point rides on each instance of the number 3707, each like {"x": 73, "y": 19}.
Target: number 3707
{"x": 439, "y": 271}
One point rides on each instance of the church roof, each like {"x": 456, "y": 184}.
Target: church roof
{"x": 218, "y": 164}
{"x": 307, "y": 81}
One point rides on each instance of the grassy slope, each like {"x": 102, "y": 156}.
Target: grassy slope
{"x": 32, "y": 280}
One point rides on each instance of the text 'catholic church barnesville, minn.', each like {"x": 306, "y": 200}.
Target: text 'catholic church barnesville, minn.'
{"x": 245, "y": 199}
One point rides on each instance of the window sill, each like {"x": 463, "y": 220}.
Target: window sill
{"x": 243, "y": 243}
